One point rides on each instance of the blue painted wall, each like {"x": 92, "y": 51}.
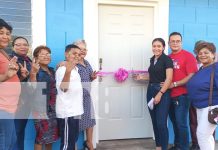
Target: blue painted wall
{"x": 64, "y": 24}
{"x": 195, "y": 20}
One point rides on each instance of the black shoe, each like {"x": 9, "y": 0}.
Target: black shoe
{"x": 174, "y": 148}
{"x": 195, "y": 147}
{"x": 85, "y": 145}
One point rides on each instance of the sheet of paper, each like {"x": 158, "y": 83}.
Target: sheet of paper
{"x": 151, "y": 104}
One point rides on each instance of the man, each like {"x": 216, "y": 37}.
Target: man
{"x": 185, "y": 66}
{"x": 69, "y": 104}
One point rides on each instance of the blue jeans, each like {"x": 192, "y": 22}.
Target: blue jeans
{"x": 20, "y": 125}
{"x": 7, "y": 131}
{"x": 159, "y": 115}
{"x": 179, "y": 110}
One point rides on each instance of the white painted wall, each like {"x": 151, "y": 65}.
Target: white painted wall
{"x": 38, "y": 23}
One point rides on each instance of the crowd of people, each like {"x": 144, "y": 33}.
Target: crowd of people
{"x": 59, "y": 101}
{"x": 179, "y": 86}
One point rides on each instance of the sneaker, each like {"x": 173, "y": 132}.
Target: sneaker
{"x": 195, "y": 147}
{"x": 174, "y": 148}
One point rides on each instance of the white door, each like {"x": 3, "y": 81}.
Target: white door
{"x": 125, "y": 36}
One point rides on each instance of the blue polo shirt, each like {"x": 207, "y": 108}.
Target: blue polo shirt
{"x": 199, "y": 87}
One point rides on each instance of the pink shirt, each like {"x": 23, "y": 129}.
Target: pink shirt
{"x": 9, "y": 90}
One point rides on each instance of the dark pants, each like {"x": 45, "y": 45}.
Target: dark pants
{"x": 193, "y": 124}
{"x": 20, "y": 121}
{"x": 159, "y": 115}
{"x": 69, "y": 132}
{"x": 179, "y": 110}
{"x": 20, "y": 125}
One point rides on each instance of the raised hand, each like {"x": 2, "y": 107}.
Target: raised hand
{"x": 23, "y": 70}
{"x": 34, "y": 70}
{"x": 12, "y": 67}
{"x": 35, "y": 66}
{"x": 70, "y": 65}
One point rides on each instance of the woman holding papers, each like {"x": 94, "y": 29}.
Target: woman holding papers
{"x": 158, "y": 95}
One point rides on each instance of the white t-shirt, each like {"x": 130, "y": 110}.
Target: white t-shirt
{"x": 70, "y": 103}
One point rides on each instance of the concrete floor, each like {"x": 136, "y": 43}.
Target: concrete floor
{"x": 130, "y": 144}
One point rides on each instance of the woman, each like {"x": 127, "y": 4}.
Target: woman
{"x": 87, "y": 121}
{"x": 199, "y": 89}
{"x": 10, "y": 90}
{"x": 21, "y": 48}
{"x": 46, "y": 123}
{"x": 160, "y": 77}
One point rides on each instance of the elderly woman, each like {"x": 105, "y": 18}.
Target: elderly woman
{"x": 10, "y": 89}
{"x": 199, "y": 89}
{"x": 87, "y": 121}
{"x": 45, "y": 122}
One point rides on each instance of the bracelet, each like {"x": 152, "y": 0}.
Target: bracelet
{"x": 175, "y": 84}
{"x": 161, "y": 92}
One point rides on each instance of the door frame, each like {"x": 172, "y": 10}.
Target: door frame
{"x": 38, "y": 23}
{"x": 90, "y": 30}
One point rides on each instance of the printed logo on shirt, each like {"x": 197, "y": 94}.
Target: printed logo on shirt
{"x": 176, "y": 64}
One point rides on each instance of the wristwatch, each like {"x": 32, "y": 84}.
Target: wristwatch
{"x": 174, "y": 84}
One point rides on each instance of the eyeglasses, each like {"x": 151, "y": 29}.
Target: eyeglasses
{"x": 25, "y": 45}
{"x": 175, "y": 42}
{"x": 83, "y": 49}
{"x": 43, "y": 55}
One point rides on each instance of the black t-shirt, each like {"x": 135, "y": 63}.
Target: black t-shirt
{"x": 157, "y": 71}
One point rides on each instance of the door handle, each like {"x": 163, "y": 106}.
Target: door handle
{"x": 100, "y": 63}
{"x": 100, "y": 68}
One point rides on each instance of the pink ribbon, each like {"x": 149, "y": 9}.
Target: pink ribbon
{"x": 105, "y": 73}
{"x": 121, "y": 74}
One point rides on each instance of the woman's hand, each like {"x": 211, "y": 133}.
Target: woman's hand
{"x": 23, "y": 70}
{"x": 94, "y": 75}
{"x": 34, "y": 70}
{"x": 157, "y": 98}
{"x": 12, "y": 68}
{"x": 137, "y": 77}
